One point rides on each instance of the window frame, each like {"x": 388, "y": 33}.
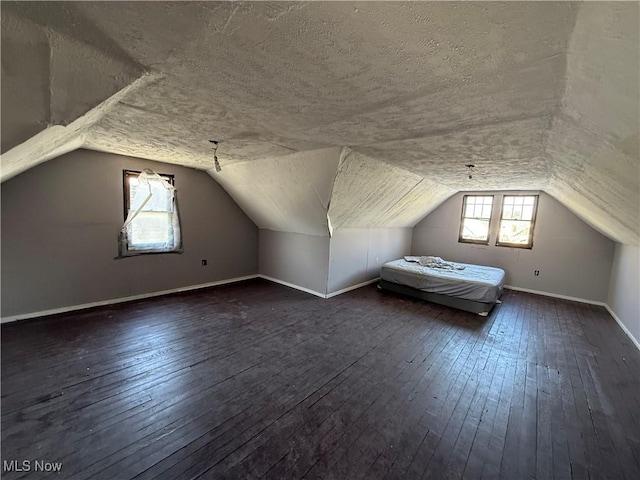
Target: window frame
{"x": 461, "y": 239}
{"x": 532, "y": 222}
{"x": 126, "y": 174}
{"x": 126, "y": 193}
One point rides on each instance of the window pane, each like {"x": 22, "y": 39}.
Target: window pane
{"x": 517, "y": 212}
{"x": 469, "y": 211}
{"x": 133, "y": 188}
{"x": 478, "y": 207}
{"x": 476, "y": 217}
{"x": 486, "y": 211}
{"x": 150, "y": 229}
{"x": 516, "y": 223}
{"x": 161, "y": 198}
{"x": 514, "y": 231}
{"x": 473, "y": 229}
{"x": 477, "y": 211}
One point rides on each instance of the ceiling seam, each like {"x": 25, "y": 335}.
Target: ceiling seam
{"x": 559, "y": 110}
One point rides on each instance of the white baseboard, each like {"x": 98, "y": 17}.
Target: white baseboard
{"x": 582, "y": 300}
{"x": 313, "y": 292}
{"x": 555, "y": 295}
{"x": 114, "y": 301}
{"x": 293, "y": 285}
{"x": 622, "y": 326}
{"x": 353, "y": 287}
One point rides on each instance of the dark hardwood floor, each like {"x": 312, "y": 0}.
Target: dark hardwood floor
{"x": 255, "y": 380}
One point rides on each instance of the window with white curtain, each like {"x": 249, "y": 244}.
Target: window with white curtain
{"x": 152, "y": 224}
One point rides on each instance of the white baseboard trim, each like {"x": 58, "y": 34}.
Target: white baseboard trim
{"x": 313, "y": 292}
{"x": 622, "y": 326}
{"x": 293, "y": 285}
{"x": 113, "y": 301}
{"x": 582, "y": 300}
{"x": 555, "y": 295}
{"x": 353, "y": 287}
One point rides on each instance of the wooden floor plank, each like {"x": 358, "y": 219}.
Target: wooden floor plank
{"x": 255, "y": 380}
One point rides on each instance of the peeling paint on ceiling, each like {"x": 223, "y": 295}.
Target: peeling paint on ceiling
{"x": 539, "y": 95}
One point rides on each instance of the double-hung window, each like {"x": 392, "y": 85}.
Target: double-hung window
{"x": 476, "y": 219}
{"x": 517, "y": 221}
{"x": 151, "y": 214}
{"x": 515, "y": 228}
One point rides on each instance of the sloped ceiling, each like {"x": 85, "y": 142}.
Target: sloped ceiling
{"x": 364, "y": 111}
{"x": 371, "y": 193}
{"x": 297, "y": 202}
{"x": 594, "y": 142}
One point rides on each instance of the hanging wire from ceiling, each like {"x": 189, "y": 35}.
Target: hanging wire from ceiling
{"x": 470, "y": 167}
{"x": 216, "y": 163}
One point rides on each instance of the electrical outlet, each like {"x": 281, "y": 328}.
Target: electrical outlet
{"x": 536, "y": 272}
{"x": 377, "y": 260}
{"x": 204, "y": 263}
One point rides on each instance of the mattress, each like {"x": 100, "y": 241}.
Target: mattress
{"x": 475, "y": 282}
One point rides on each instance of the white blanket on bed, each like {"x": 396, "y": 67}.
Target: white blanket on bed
{"x": 434, "y": 262}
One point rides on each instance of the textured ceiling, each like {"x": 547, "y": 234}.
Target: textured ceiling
{"x": 371, "y": 193}
{"x": 298, "y": 204}
{"x": 385, "y": 101}
{"x": 593, "y": 144}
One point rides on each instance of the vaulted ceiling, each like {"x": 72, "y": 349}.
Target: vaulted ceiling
{"x": 339, "y": 114}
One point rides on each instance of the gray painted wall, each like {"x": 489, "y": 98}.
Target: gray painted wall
{"x": 573, "y": 258}
{"x": 357, "y": 253}
{"x": 295, "y": 258}
{"x": 325, "y": 264}
{"x": 60, "y": 224}
{"x": 624, "y": 289}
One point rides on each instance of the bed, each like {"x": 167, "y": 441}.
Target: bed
{"x": 473, "y": 288}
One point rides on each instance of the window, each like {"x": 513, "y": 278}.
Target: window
{"x": 151, "y": 215}
{"x": 517, "y": 221}
{"x": 476, "y": 219}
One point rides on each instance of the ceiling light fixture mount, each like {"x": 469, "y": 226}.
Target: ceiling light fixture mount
{"x": 216, "y": 163}
{"x": 470, "y": 167}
